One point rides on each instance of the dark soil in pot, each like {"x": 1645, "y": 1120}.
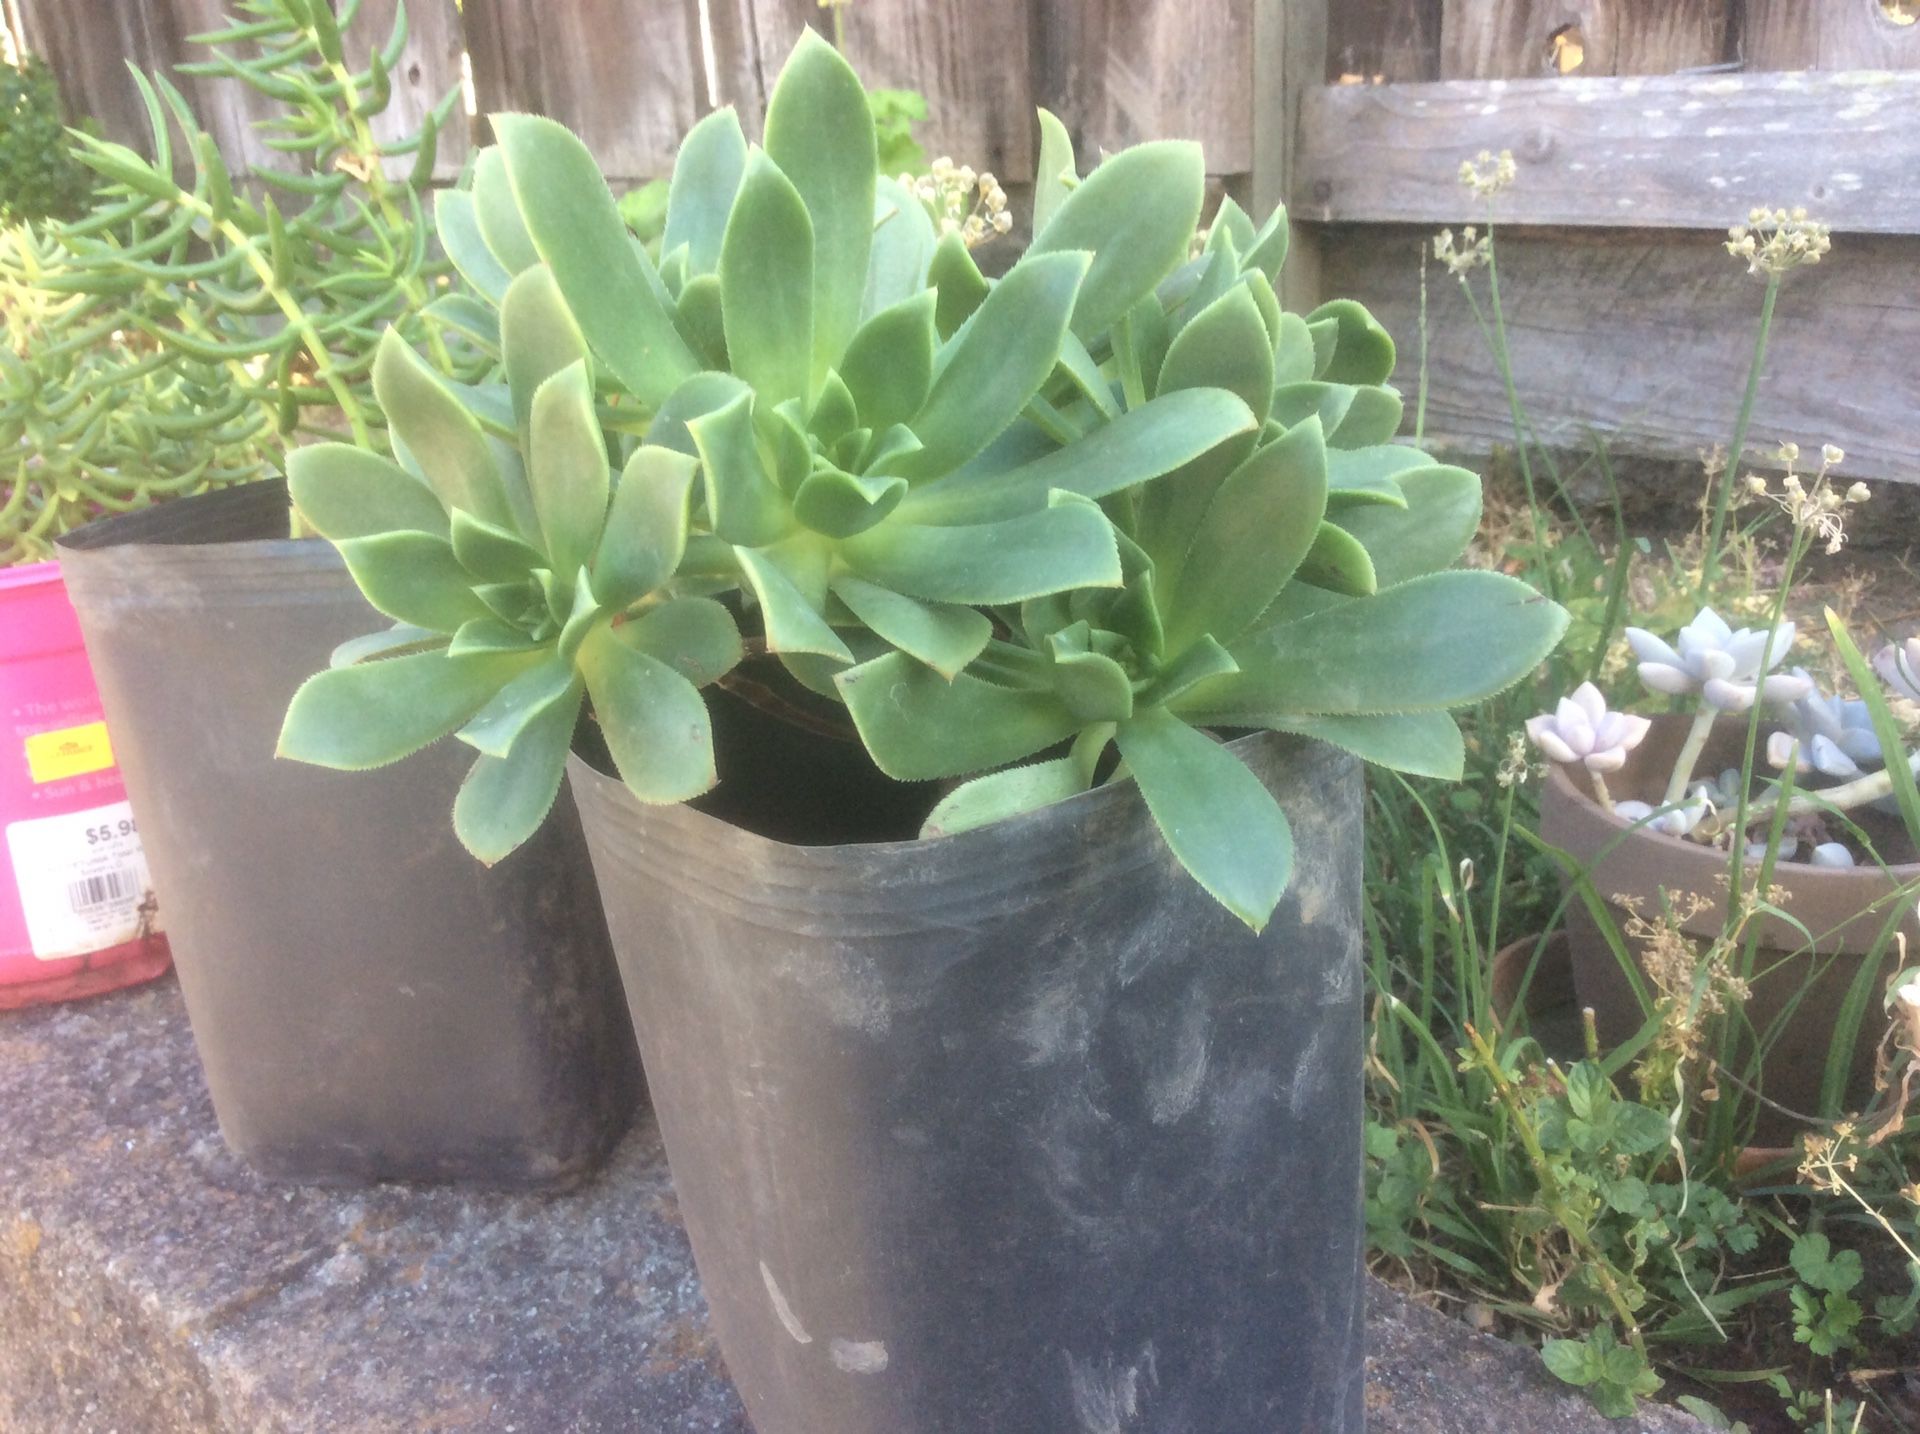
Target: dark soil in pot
{"x": 368, "y": 1000}
{"x": 1837, "y": 906}
{"x": 1014, "y": 1130}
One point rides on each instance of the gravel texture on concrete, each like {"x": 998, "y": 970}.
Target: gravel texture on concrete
{"x": 149, "y": 1284}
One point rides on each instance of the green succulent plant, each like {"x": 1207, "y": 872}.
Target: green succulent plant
{"x": 290, "y": 282}
{"x": 93, "y": 419}
{"x": 1114, "y": 497}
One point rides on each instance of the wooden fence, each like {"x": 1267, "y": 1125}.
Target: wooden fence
{"x": 1642, "y": 129}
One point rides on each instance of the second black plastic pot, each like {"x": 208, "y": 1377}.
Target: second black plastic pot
{"x": 1011, "y": 1131}
{"x": 368, "y": 1000}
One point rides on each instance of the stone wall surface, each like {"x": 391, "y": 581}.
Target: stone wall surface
{"x": 150, "y": 1284}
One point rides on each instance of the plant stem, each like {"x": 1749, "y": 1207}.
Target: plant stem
{"x": 1503, "y": 359}
{"x": 1689, "y": 756}
{"x": 1600, "y": 793}
{"x": 1420, "y": 399}
{"x": 1723, "y": 497}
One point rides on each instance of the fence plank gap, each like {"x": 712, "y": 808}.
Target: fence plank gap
{"x": 1519, "y": 39}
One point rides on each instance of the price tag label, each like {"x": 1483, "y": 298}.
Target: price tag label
{"x": 83, "y": 881}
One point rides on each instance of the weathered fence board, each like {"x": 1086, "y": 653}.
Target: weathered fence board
{"x": 1514, "y": 39}
{"x": 1383, "y": 41}
{"x": 1827, "y": 35}
{"x": 627, "y": 77}
{"x": 1688, "y": 151}
{"x": 1646, "y": 338}
{"x": 968, "y": 57}
{"x": 91, "y": 44}
{"x": 1120, "y": 71}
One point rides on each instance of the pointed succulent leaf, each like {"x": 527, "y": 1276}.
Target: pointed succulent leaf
{"x": 834, "y": 412}
{"x": 490, "y": 634}
{"x": 414, "y": 578}
{"x": 473, "y": 319}
{"x": 1263, "y": 522}
{"x": 1054, "y": 177}
{"x": 373, "y": 713}
{"x": 1433, "y": 643}
{"x": 706, "y": 176}
{"x": 440, "y": 434}
{"x": 702, "y": 394}
{"x": 1218, "y": 819}
{"x": 840, "y": 504}
{"x": 1091, "y": 384}
{"x": 585, "y": 616}
{"x": 1296, "y": 402}
{"x": 903, "y": 245}
{"x": 1141, "y": 444}
{"x": 1422, "y": 744}
{"x": 999, "y": 795}
{"x": 766, "y": 284}
{"x": 606, "y": 277}
{"x": 1269, "y": 249}
{"x": 458, "y": 229}
{"x": 497, "y": 726}
{"x": 1136, "y": 213}
{"x": 539, "y": 338}
{"x": 1441, "y": 515}
{"x": 504, "y": 800}
{"x": 1368, "y": 475}
{"x": 568, "y": 462}
{"x": 702, "y": 320}
{"x": 820, "y": 132}
{"x": 996, "y": 363}
{"x": 1338, "y": 562}
{"x": 1292, "y": 352}
{"x": 743, "y": 505}
{"x": 918, "y": 725}
{"x": 695, "y": 636}
{"x": 1203, "y": 660}
{"x": 1325, "y": 334}
{"x": 888, "y": 366}
{"x": 646, "y": 528}
{"x": 1373, "y": 417}
{"x": 1363, "y": 351}
{"x": 792, "y": 616}
{"x": 1230, "y": 222}
{"x": 402, "y": 637}
{"x": 1094, "y": 686}
{"x": 1069, "y": 545}
{"x": 347, "y": 492}
{"x": 653, "y": 719}
{"x": 944, "y": 636}
{"x": 498, "y": 213}
{"x": 492, "y": 554}
{"x": 959, "y": 286}
{"x": 1226, "y": 346}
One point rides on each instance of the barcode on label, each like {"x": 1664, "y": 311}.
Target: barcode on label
{"x": 92, "y": 892}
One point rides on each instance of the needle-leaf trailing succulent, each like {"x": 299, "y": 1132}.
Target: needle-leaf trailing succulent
{"x": 1113, "y": 497}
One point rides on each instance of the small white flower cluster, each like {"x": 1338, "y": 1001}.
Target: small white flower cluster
{"x": 1773, "y": 241}
{"x": 1817, "y": 508}
{"x": 974, "y": 206}
{"x": 1474, "y": 250}
{"x": 1486, "y": 174}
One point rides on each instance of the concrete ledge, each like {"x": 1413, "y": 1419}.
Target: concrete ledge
{"x": 149, "y": 1284}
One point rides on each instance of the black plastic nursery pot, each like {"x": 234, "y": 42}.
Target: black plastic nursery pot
{"x": 369, "y": 1001}
{"x": 1015, "y": 1130}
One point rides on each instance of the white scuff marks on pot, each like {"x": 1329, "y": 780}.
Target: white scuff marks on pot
{"x": 1310, "y": 1075}
{"x": 847, "y": 985}
{"x": 1339, "y": 983}
{"x": 864, "y": 1356}
{"x": 1058, "y": 1021}
{"x": 1179, "y": 1068}
{"x": 1107, "y": 1396}
{"x": 783, "y": 1309}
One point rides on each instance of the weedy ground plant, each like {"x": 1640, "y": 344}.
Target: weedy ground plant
{"x": 1603, "y": 1199}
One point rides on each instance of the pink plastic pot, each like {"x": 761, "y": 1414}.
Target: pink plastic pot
{"x": 77, "y": 914}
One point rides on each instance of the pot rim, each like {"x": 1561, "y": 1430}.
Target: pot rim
{"x": 1560, "y": 778}
{"x": 1078, "y": 808}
